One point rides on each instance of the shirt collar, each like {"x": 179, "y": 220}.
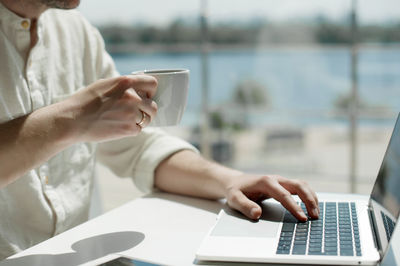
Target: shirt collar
{"x": 11, "y": 23}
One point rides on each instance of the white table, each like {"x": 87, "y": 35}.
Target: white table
{"x": 160, "y": 228}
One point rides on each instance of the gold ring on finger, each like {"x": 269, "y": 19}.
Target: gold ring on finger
{"x": 143, "y": 120}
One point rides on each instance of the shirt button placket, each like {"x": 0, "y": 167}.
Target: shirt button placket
{"x": 25, "y": 24}
{"x": 44, "y": 174}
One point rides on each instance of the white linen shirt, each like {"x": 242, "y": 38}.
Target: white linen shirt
{"x": 69, "y": 55}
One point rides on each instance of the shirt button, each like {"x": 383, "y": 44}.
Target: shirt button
{"x": 25, "y": 24}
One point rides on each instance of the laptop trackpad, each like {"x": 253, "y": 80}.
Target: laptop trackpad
{"x": 234, "y": 224}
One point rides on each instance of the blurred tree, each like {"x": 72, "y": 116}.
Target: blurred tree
{"x": 343, "y": 102}
{"x": 332, "y": 33}
{"x": 149, "y": 35}
{"x": 250, "y": 93}
{"x": 247, "y": 34}
{"x": 217, "y": 120}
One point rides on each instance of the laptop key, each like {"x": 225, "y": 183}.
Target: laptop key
{"x": 331, "y": 236}
{"x": 287, "y": 234}
{"x": 288, "y": 227}
{"x": 283, "y": 251}
{"x": 315, "y": 245}
{"x": 330, "y": 244}
{"x": 301, "y": 232}
{"x": 330, "y": 248}
{"x": 331, "y": 253}
{"x": 314, "y": 249}
{"x": 288, "y": 243}
{"x": 299, "y": 250}
{"x": 316, "y": 233}
{"x": 283, "y": 246}
{"x": 346, "y": 238}
{"x": 300, "y": 242}
{"x": 315, "y": 253}
{"x": 285, "y": 238}
{"x": 346, "y": 252}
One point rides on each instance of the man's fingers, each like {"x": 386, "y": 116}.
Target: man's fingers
{"x": 237, "y": 200}
{"x": 134, "y": 104}
{"x": 149, "y": 107}
{"x": 285, "y": 198}
{"x": 144, "y": 85}
{"x": 306, "y": 194}
{"x": 310, "y": 200}
{"x": 144, "y": 119}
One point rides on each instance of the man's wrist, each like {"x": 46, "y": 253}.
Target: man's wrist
{"x": 62, "y": 129}
{"x": 226, "y": 177}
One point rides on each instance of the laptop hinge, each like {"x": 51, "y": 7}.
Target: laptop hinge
{"x": 372, "y": 221}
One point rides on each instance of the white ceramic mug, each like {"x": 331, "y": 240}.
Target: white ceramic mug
{"x": 171, "y": 96}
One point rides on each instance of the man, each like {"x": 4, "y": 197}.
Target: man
{"x": 60, "y": 95}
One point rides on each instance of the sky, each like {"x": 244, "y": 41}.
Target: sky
{"x": 161, "y": 12}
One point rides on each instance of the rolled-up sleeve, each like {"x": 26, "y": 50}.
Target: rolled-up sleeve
{"x": 139, "y": 156}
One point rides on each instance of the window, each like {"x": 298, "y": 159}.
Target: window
{"x": 279, "y": 78}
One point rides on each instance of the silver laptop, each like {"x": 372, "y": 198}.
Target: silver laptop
{"x": 347, "y": 233}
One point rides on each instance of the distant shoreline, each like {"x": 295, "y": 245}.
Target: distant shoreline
{"x": 129, "y": 48}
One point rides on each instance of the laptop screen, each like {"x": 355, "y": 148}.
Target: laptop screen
{"x": 385, "y": 196}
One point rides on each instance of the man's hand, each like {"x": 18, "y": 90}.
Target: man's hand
{"x": 188, "y": 173}
{"x": 107, "y": 109}
{"x": 246, "y": 190}
{"x": 112, "y": 108}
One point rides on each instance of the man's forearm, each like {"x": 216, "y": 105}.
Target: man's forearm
{"x": 29, "y": 141}
{"x": 187, "y": 173}
{"x": 106, "y": 109}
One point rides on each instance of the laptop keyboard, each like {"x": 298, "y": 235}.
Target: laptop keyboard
{"x": 389, "y": 225}
{"x": 335, "y": 233}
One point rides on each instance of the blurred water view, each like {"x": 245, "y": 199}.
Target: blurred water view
{"x": 304, "y": 86}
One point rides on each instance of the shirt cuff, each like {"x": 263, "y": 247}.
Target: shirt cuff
{"x": 139, "y": 156}
{"x": 160, "y": 149}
